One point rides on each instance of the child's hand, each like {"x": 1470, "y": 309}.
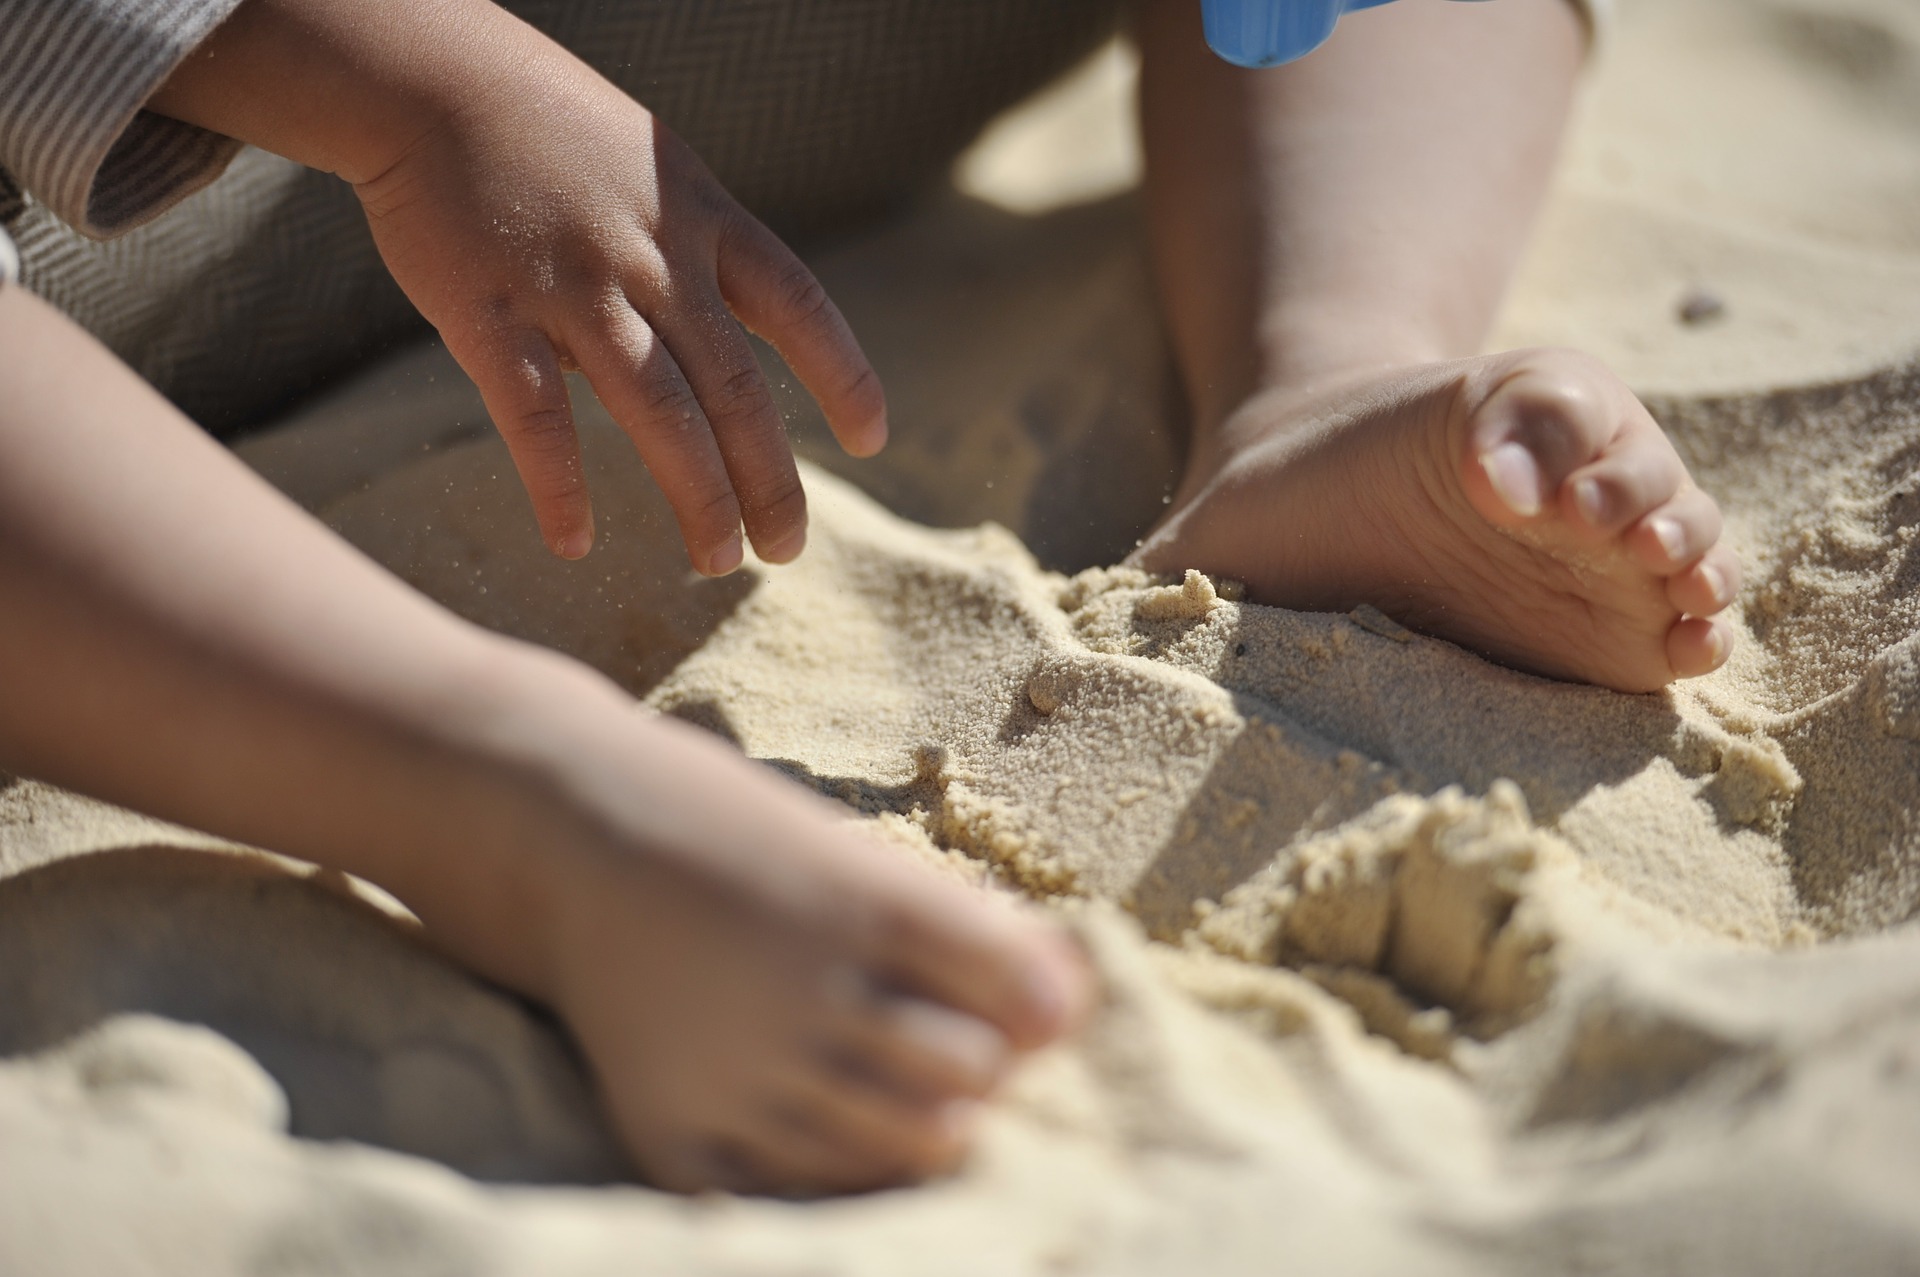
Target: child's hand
{"x": 553, "y": 223}
{"x": 543, "y": 220}
{"x": 769, "y": 1000}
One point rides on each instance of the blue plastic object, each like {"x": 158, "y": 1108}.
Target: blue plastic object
{"x": 1265, "y": 33}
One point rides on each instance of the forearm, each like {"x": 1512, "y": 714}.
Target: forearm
{"x": 1363, "y": 207}
{"x": 177, "y": 637}
{"x": 347, "y": 86}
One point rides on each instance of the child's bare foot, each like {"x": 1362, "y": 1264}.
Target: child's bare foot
{"x": 770, "y": 1003}
{"x": 1524, "y": 505}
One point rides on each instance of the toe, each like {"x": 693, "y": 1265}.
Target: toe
{"x": 786, "y": 1158}
{"x": 1698, "y": 645}
{"x": 923, "y": 1051}
{"x": 1551, "y": 413}
{"x": 694, "y": 1166}
{"x": 1709, "y": 586}
{"x": 876, "y": 1137}
{"x": 1677, "y": 533}
{"x": 1638, "y": 474}
{"x": 1000, "y": 965}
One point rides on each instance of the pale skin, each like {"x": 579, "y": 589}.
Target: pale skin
{"x": 768, "y": 1001}
{"x": 1332, "y": 239}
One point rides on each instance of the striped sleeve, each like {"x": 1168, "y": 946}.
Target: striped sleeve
{"x": 74, "y": 75}
{"x": 11, "y": 206}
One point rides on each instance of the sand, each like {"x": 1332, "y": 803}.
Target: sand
{"x": 1413, "y": 964}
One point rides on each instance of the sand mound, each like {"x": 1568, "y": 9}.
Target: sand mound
{"x": 1461, "y": 968}
{"x": 1413, "y": 964}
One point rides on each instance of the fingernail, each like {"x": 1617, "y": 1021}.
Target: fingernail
{"x": 576, "y": 544}
{"x": 1671, "y": 536}
{"x": 789, "y": 550}
{"x": 728, "y": 557}
{"x": 1722, "y": 645}
{"x": 1591, "y": 500}
{"x": 1515, "y": 478}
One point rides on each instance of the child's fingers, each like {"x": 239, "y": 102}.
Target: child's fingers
{"x": 520, "y": 379}
{"x": 637, "y": 379}
{"x": 710, "y": 348}
{"x": 776, "y": 296}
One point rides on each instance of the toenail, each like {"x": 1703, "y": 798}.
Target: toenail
{"x": 1671, "y": 536}
{"x": 1515, "y": 477}
{"x": 1591, "y": 500}
{"x": 1716, "y": 583}
{"x": 1722, "y": 645}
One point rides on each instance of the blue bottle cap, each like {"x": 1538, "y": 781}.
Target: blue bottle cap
{"x": 1265, "y": 33}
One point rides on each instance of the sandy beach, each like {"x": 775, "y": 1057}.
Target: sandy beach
{"x": 1413, "y": 964}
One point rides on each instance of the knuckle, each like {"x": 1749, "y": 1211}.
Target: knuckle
{"x": 649, "y": 274}
{"x": 496, "y": 312}
{"x": 800, "y": 297}
{"x": 666, "y": 396}
{"x": 545, "y": 432}
{"x": 863, "y": 392}
{"x": 718, "y": 207}
{"x": 778, "y": 500}
{"x": 741, "y": 394}
{"x": 711, "y": 505}
{"x": 543, "y": 444}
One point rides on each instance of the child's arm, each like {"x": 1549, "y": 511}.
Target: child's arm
{"x": 543, "y": 220}
{"x": 176, "y": 636}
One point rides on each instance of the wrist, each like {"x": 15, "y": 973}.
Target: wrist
{"x": 345, "y": 86}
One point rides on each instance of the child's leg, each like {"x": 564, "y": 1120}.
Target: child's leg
{"x": 1333, "y": 238}
{"x": 767, "y": 999}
